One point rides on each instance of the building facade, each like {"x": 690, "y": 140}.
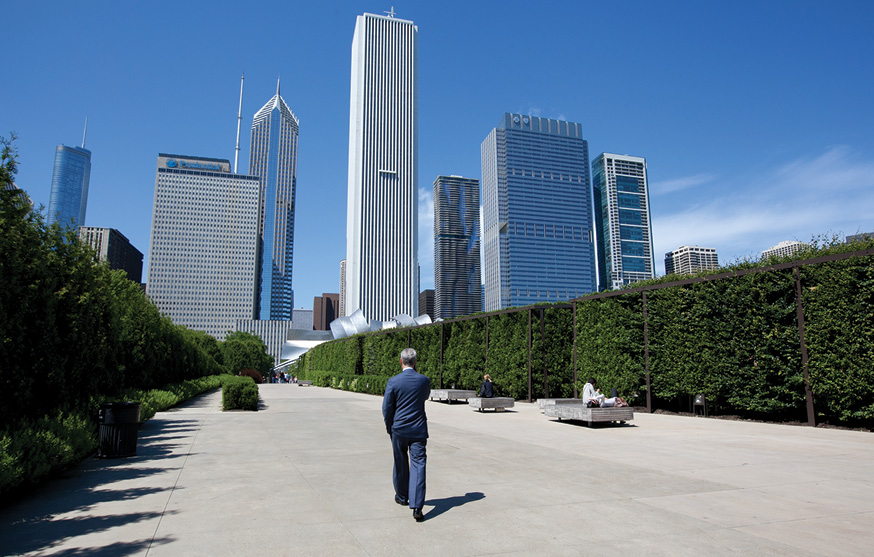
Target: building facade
{"x": 686, "y": 260}
{"x": 204, "y": 243}
{"x": 326, "y": 308}
{"x": 537, "y": 231}
{"x": 115, "y": 249}
{"x": 342, "y": 310}
{"x": 622, "y": 218}
{"x": 784, "y": 249}
{"x": 302, "y": 319}
{"x": 457, "y": 279}
{"x": 382, "y": 204}
{"x": 272, "y": 333}
{"x": 273, "y": 158}
{"x": 70, "y": 179}
{"x": 426, "y": 303}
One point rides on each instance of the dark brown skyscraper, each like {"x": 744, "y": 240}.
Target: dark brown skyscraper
{"x": 326, "y": 308}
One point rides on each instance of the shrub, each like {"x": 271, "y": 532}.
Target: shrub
{"x": 254, "y": 374}
{"x": 240, "y": 393}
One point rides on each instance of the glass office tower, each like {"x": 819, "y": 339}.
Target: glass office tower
{"x": 204, "y": 244}
{"x": 273, "y": 158}
{"x": 382, "y": 260}
{"x": 622, "y": 216}
{"x": 70, "y": 178}
{"x": 538, "y": 242}
{"x": 457, "y": 285}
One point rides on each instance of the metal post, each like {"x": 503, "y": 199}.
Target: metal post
{"x": 486, "y": 362}
{"x": 808, "y": 393}
{"x": 441, "y": 354}
{"x": 543, "y": 353}
{"x": 529, "y": 354}
{"x": 575, "y": 350}
{"x": 646, "y": 355}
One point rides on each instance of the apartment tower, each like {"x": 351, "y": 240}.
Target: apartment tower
{"x": 457, "y": 285}
{"x": 622, "y": 218}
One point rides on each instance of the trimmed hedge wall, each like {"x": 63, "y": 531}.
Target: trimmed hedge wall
{"x": 733, "y": 338}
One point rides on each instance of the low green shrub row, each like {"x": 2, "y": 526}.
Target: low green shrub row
{"x": 372, "y": 384}
{"x": 32, "y": 449}
{"x": 240, "y": 393}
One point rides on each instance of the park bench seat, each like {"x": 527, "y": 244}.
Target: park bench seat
{"x": 544, "y": 402}
{"x": 303, "y": 382}
{"x": 451, "y": 394}
{"x": 579, "y": 412}
{"x": 498, "y": 403}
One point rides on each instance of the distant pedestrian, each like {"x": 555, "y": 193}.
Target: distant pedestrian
{"x": 487, "y": 389}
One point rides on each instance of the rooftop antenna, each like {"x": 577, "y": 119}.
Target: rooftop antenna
{"x": 85, "y": 131}
{"x": 391, "y": 14}
{"x": 239, "y": 119}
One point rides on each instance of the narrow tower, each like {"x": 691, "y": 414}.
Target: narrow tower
{"x": 273, "y": 158}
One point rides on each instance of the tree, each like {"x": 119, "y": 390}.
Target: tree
{"x": 8, "y": 160}
{"x": 245, "y": 350}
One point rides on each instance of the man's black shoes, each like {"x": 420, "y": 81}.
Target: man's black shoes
{"x": 400, "y": 501}
{"x": 417, "y": 514}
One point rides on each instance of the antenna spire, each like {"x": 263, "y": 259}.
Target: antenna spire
{"x": 239, "y": 119}
{"x": 391, "y": 14}
{"x": 277, "y": 86}
{"x": 84, "y": 132}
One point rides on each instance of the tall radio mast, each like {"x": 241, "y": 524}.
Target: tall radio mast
{"x": 239, "y": 119}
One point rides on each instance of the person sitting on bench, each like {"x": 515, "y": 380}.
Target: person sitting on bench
{"x": 487, "y": 389}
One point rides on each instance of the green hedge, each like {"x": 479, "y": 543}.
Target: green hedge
{"x": 32, "y": 449}
{"x": 372, "y": 384}
{"x": 240, "y": 393}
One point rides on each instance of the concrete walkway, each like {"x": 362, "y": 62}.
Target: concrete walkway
{"x": 310, "y": 474}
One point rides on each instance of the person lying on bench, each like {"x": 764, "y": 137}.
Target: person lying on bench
{"x": 594, "y": 398}
{"x": 487, "y": 389}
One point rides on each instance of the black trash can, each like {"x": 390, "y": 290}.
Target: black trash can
{"x": 119, "y": 422}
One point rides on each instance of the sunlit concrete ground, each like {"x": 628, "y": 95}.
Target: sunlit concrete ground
{"x": 310, "y": 474}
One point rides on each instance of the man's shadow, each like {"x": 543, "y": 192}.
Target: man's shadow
{"x": 443, "y": 505}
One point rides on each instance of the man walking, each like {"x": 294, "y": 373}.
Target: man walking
{"x": 403, "y": 409}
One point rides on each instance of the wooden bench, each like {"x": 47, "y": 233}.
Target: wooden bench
{"x": 303, "y": 383}
{"x": 451, "y": 394}
{"x": 578, "y": 411}
{"x": 544, "y": 402}
{"x": 498, "y": 403}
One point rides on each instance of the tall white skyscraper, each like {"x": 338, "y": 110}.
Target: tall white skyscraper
{"x": 382, "y": 207}
{"x": 204, "y": 245}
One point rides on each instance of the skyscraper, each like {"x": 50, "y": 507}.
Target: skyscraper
{"x": 70, "y": 178}
{"x": 686, "y": 260}
{"x": 273, "y": 158}
{"x": 342, "y": 310}
{"x": 382, "y": 205}
{"x": 457, "y": 284}
{"x": 115, "y": 249}
{"x": 204, "y": 243}
{"x": 622, "y": 218}
{"x": 537, "y": 213}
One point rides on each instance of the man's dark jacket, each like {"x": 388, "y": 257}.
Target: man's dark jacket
{"x": 403, "y": 406}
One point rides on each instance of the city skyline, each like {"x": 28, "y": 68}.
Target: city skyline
{"x": 748, "y": 143}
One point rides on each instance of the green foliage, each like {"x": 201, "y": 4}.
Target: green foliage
{"x": 838, "y": 300}
{"x": 464, "y": 357}
{"x": 343, "y": 355}
{"x": 239, "y": 393}
{"x": 507, "y": 358}
{"x": 426, "y": 342}
{"x": 382, "y": 352}
{"x": 556, "y": 348}
{"x": 246, "y": 350}
{"x": 372, "y": 384}
{"x": 8, "y": 160}
{"x": 168, "y": 396}
{"x": 610, "y": 345}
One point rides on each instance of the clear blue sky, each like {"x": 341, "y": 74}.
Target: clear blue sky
{"x": 756, "y": 118}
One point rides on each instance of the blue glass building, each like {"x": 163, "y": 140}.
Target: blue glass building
{"x": 273, "y": 158}
{"x": 538, "y": 241}
{"x": 457, "y": 284}
{"x": 622, "y": 218}
{"x": 70, "y": 178}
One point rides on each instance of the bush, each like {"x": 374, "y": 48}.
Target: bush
{"x": 240, "y": 393}
{"x": 254, "y": 374}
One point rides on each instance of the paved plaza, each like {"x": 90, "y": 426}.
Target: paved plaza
{"x": 310, "y": 474}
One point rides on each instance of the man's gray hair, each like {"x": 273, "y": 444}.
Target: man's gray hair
{"x": 408, "y": 357}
